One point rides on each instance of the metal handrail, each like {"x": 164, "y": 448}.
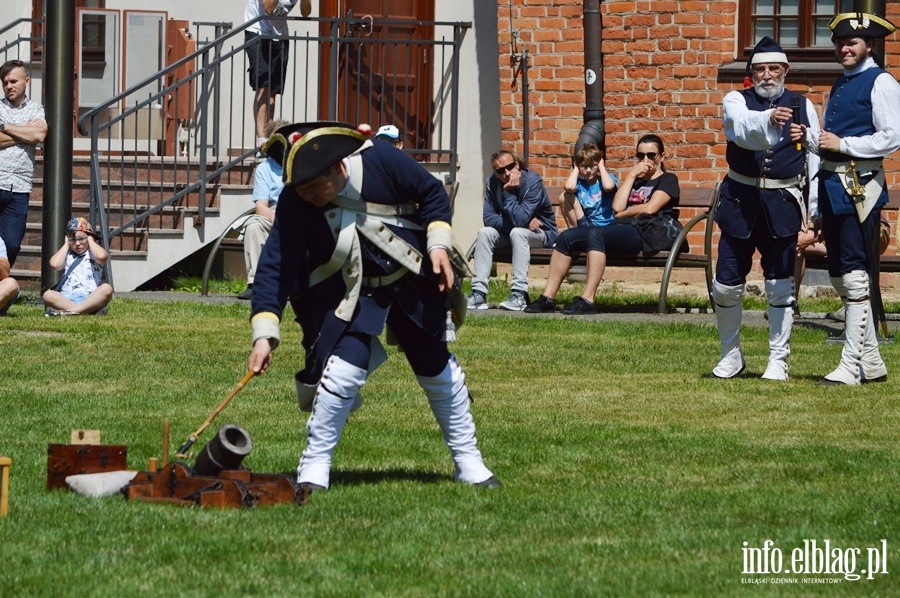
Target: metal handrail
{"x": 206, "y": 66}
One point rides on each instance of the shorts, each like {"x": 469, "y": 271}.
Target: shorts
{"x": 76, "y": 299}
{"x": 268, "y": 59}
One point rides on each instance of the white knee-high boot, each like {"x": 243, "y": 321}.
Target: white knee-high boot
{"x": 780, "y": 295}
{"x": 449, "y": 399}
{"x": 854, "y": 291}
{"x": 728, "y": 322}
{"x": 872, "y": 365}
{"x": 339, "y": 386}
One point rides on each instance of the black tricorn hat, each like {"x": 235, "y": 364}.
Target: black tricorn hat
{"x": 860, "y": 24}
{"x": 306, "y": 150}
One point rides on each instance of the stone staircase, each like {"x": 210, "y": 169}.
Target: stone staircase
{"x": 160, "y": 240}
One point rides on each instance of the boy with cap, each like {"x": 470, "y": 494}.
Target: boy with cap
{"x": 362, "y": 241}
{"x": 81, "y": 289}
{"x": 391, "y": 134}
{"x": 761, "y": 205}
{"x": 861, "y": 128}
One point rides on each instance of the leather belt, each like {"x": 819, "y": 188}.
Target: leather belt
{"x": 861, "y": 165}
{"x": 374, "y": 282}
{"x": 763, "y": 182}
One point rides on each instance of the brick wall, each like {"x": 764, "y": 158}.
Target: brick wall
{"x": 661, "y": 75}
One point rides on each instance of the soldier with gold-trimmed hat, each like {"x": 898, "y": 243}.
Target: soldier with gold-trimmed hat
{"x": 361, "y": 240}
{"x": 861, "y": 127}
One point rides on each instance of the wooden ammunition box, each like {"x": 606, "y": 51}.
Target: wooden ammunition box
{"x": 69, "y": 459}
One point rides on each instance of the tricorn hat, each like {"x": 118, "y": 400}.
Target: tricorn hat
{"x": 860, "y": 24}
{"x": 306, "y": 150}
{"x": 766, "y": 50}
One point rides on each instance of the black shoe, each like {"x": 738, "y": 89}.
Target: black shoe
{"x": 301, "y": 496}
{"x": 580, "y": 307}
{"x": 542, "y": 304}
{"x": 247, "y": 295}
{"x": 491, "y": 482}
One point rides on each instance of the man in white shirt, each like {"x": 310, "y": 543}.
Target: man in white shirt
{"x": 22, "y": 126}
{"x": 861, "y": 127}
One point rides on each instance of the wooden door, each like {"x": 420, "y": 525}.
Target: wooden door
{"x": 384, "y": 77}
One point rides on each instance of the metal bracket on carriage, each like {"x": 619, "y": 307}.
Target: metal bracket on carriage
{"x": 178, "y": 484}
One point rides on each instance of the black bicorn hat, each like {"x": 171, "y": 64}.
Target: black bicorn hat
{"x": 306, "y": 150}
{"x": 860, "y": 24}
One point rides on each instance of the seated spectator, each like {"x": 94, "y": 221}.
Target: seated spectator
{"x": 267, "y": 186}
{"x": 648, "y": 189}
{"x": 81, "y": 289}
{"x": 391, "y": 134}
{"x": 9, "y": 288}
{"x": 517, "y": 214}
{"x": 587, "y": 207}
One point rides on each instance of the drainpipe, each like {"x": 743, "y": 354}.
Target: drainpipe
{"x": 593, "y": 130}
{"x": 877, "y": 8}
{"x": 59, "y": 89}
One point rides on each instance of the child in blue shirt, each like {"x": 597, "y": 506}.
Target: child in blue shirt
{"x": 593, "y": 187}
{"x": 587, "y": 208}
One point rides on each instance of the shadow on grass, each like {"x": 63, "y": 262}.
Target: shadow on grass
{"x": 350, "y": 477}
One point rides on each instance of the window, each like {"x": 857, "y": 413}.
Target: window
{"x": 37, "y": 28}
{"x": 800, "y": 26}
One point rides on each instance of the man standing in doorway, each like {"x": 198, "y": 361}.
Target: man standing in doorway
{"x": 268, "y": 56}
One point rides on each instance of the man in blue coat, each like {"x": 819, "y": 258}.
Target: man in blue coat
{"x": 517, "y": 214}
{"x": 361, "y": 240}
{"x": 761, "y": 205}
{"x": 861, "y": 128}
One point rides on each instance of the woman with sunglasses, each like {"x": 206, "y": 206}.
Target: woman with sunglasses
{"x": 648, "y": 188}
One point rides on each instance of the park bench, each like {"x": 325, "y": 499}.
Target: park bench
{"x": 701, "y": 199}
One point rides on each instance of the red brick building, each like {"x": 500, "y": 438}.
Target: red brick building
{"x": 667, "y": 65}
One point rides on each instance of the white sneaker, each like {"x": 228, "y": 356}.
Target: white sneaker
{"x": 515, "y": 302}
{"x": 477, "y": 301}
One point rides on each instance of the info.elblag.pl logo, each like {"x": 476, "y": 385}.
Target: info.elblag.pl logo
{"x": 817, "y": 558}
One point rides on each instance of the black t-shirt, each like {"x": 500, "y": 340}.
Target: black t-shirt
{"x": 644, "y": 188}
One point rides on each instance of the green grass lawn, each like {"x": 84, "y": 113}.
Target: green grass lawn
{"x": 626, "y": 470}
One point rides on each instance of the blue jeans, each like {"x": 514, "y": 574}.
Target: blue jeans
{"x": 13, "y": 215}
{"x": 521, "y": 240}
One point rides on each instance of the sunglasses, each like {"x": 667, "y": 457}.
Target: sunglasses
{"x": 507, "y": 168}
{"x": 77, "y": 239}
{"x": 641, "y": 155}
